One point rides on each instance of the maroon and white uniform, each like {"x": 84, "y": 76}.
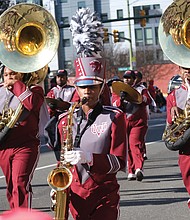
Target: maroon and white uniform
{"x": 136, "y": 122}
{"x": 179, "y": 97}
{"x": 66, "y": 93}
{"x": 19, "y": 152}
{"x": 97, "y": 185}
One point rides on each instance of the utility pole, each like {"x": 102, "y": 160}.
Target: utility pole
{"x": 130, "y": 48}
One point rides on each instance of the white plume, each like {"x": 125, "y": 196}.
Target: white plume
{"x": 87, "y": 33}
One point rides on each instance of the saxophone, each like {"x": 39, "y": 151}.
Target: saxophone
{"x": 178, "y": 134}
{"x": 61, "y": 177}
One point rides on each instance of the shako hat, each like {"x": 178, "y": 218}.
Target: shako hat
{"x": 87, "y": 33}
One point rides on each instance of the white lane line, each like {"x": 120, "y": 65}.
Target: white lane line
{"x": 54, "y": 165}
{"x": 38, "y": 168}
{"x": 158, "y": 125}
{"x": 154, "y": 142}
{"x": 44, "y": 167}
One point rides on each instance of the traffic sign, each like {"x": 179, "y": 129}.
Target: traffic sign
{"x": 124, "y": 68}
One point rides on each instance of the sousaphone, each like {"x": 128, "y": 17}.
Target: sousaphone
{"x": 29, "y": 37}
{"x": 174, "y": 33}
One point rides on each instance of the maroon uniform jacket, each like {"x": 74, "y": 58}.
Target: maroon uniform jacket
{"x": 178, "y": 97}
{"x": 105, "y": 138}
{"x": 65, "y": 92}
{"x": 25, "y": 131}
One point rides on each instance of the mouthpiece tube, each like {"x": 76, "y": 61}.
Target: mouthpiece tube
{"x": 84, "y": 100}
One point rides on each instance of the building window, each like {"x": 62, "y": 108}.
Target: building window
{"x": 63, "y": 1}
{"x": 148, "y": 36}
{"x": 156, "y": 36}
{"x": 104, "y": 17}
{"x": 119, "y": 14}
{"x": 157, "y": 6}
{"x": 81, "y": 4}
{"x": 65, "y": 20}
{"x": 66, "y": 43}
{"x": 121, "y": 34}
{"x": 139, "y": 37}
{"x": 38, "y": 2}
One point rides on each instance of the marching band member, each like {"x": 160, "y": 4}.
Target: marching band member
{"x": 61, "y": 91}
{"x": 19, "y": 150}
{"x": 137, "y": 125}
{"x": 176, "y": 102}
{"x": 99, "y": 131}
{"x": 175, "y": 46}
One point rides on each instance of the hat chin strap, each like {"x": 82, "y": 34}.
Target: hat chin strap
{"x": 102, "y": 87}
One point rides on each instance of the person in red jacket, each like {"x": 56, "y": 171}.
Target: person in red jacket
{"x": 61, "y": 91}
{"x": 19, "y": 145}
{"x": 176, "y": 101}
{"x": 137, "y": 125}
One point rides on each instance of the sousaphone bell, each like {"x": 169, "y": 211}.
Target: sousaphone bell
{"x": 29, "y": 37}
{"x": 174, "y": 33}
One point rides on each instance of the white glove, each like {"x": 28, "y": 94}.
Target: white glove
{"x": 78, "y": 156}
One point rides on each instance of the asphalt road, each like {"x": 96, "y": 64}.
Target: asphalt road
{"x": 160, "y": 196}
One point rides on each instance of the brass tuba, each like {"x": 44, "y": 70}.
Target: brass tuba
{"x": 29, "y": 38}
{"x": 174, "y": 33}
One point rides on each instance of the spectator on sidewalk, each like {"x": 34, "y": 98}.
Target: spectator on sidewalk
{"x": 152, "y": 92}
{"x": 160, "y": 101}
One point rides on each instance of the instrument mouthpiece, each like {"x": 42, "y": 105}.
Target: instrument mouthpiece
{"x": 84, "y": 100}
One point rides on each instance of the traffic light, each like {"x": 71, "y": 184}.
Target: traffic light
{"x": 115, "y": 36}
{"x": 142, "y": 20}
{"x": 106, "y": 35}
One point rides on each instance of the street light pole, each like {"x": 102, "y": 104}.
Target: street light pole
{"x": 130, "y": 48}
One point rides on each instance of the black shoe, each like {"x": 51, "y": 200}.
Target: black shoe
{"x": 139, "y": 175}
{"x": 145, "y": 157}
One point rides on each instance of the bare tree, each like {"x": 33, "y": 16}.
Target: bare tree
{"x": 150, "y": 63}
{"x": 4, "y": 4}
{"x": 116, "y": 58}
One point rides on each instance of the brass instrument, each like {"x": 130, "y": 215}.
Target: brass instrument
{"x": 29, "y": 38}
{"x": 60, "y": 178}
{"x": 173, "y": 33}
{"x": 176, "y": 135}
{"x": 132, "y": 95}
